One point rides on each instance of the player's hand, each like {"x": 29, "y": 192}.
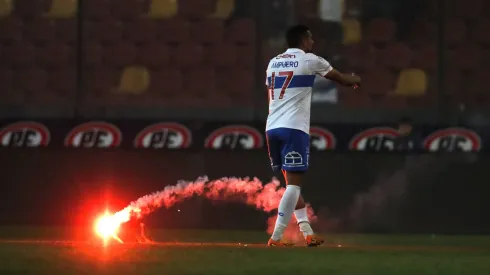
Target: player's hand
{"x": 358, "y": 81}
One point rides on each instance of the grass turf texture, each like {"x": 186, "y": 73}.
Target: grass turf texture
{"x": 358, "y": 254}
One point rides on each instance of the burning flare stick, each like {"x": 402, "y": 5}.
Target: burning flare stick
{"x": 249, "y": 191}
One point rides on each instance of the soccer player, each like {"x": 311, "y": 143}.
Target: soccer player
{"x": 290, "y": 78}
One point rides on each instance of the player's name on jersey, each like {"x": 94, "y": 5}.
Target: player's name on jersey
{"x": 285, "y": 64}
{"x": 174, "y": 135}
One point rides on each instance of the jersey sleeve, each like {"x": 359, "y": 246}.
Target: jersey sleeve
{"x": 318, "y": 65}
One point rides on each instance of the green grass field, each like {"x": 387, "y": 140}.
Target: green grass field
{"x": 225, "y": 253}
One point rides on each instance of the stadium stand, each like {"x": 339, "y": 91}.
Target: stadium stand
{"x": 351, "y": 29}
{"x": 198, "y": 52}
{"x": 162, "y": 9}
{"x": 223, "y": 9}
{"x": 6, "y": 8}
{"x": 134, "y": 80}
{"x": 411, "y": 82}
{"x": 62, "y": 9}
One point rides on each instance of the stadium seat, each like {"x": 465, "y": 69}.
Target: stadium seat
{"x": 378, "y": 82}
{"x": 208, "y": 31}
{"x": 186, "y": 56}
{"x": 119, "y": 55}
{"x": 31, "y": 80}
{"x": 352, "y": 7}
{"x": 97, "y": 9}
{"x": 162, "y": 8}
{"x": 321, "y": 46}
{"x": 167, "y": 82}
{"x": 19, "y": 55}
{"x": 431, "y": 8}
{"x": 425, "y": 58}
{"x": 63, "y": 82}
{"x": 106, "y": 31}
{"x": 267, "y": 52}
{"x": 396, "y": 56}
{"x": 66, "y": 30}
{"x": 201, "y": 83}
{"x": 127, "y": 9}
{"x": 243, "y": 83}
{"x": 305, "y": 8}
{"x": 39, "y": 30}
{"x": 140, "y": 30}
{"x": 422, "y": 33}
{"x": 223, "y": 9}
{"x": 432, "y": 84}
{"x": 466, "y": 57}
{"x": 468, "y": 9}
{"x": 10, "y": 29}
{"x": 352, "y": 100}
{"x": 485, "y": 8}
{"x": 6, "y": 81}
{"x": 154, "y": 55}
{"x": 31, "y": 8}
{"x": 100, "y": 81}
{"x": 92, "y": 55}
{"x": 221, "y": 56}
{"x": 360, "y": 57}
{"x": 351, "y": 31}
{"x": 236, "y": 86}
{"x": 411, "y": 82}
{"x": 455, "y": 31}
{"x": 245, "y": 56}
{"x": 174, "y": 31}
{"x": 193, "y": 9}
{"x": 380, "y": 30}
{"x": 241, "y": 31}
{"x": 224, "y": 84}
{"x": 476, "y": 83}
{"x": 63, "y": 9}
{"x": 486, "y": 59}
{"x": 476, "y": 9}
{"x": 6, "y": 8}
{"x": 56, "y": 55}
{"x": 453, "y": 82}
{"x": 134, "y": 80}
{"x": 481, "y": 30}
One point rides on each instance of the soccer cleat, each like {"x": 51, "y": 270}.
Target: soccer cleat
{"x": 272, "y": 243}
{"x": 313, "y": 241}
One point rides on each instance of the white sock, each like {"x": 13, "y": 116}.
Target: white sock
{"x": 286, "y": 208}
{"x": 303, "y": 222}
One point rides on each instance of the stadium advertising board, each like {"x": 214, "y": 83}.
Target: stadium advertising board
{"x": 172, "y": 135}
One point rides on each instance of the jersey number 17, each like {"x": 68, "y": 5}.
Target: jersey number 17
{"x": 288, "y": 75}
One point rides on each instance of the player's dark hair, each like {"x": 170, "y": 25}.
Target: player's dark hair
{"x": 295, "y": 35}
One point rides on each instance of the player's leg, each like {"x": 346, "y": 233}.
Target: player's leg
{"x": 285, "y": 209}
{"x": 301, "y": 212}
{"x": 293, "y": 172}
{"x": 294, "y": 164}
{"x": 274, "y": 148}
{"x": 301, "y": 201}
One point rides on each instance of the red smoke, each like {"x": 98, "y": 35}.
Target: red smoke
{"x": 248, "y": 191}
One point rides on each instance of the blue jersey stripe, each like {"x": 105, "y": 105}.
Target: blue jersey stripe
{"x": 298, "y": 81}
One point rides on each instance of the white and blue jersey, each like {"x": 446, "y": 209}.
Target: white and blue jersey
{"x": 290, "y": 78}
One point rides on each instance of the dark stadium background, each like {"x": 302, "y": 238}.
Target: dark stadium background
{"x": 201, "y": 63}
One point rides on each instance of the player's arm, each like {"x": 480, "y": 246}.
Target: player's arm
{"x": 320, "y": 66}
{"x": 342, "y": 78}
